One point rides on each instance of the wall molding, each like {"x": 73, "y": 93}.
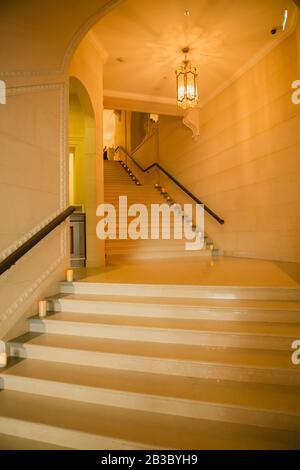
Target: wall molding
{"x": 17, "y": 90}
{"x": 30, "y": 73}
{"x": 15, "y": 245}
{"x": 30, "y": 291}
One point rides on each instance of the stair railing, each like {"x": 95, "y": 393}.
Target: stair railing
{"x": 167, "y": 174}
{"x": 12, "y": 259}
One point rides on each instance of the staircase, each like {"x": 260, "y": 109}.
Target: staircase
{"x": 119, "y": 365}
{"x": 117, "y": 182}
{"x": 133, "y": 366}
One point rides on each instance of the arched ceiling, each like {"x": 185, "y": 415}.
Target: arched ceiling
{"x": 37, "y": 35}
{"x": 143, "y": 40}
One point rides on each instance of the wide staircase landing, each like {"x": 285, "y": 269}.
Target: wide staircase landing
{"x": 133, "y": 366}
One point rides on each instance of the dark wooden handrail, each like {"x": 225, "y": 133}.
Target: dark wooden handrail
{"x": 171, "y": 177}
{"x": 34, "y": 240}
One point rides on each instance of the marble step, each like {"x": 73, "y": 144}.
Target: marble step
{"x": 141, "y": 244}
{"x": 118, "y": 181}
{"x": 134, "y": 191}
{"x": 155, "y": 225}
{"x": 122, "y": 220}
{"x": 182, "y": 291}
{"x": 277, "y": 337}
{"x": 161, "y": 248}
{"x": 233, "y": 364}
{"x": 150, "y": 242}
{"x": 115, "y": 172}
{"x": 112, "y": 190}
{"x": 79, "y": 425}
{"x": 135, "y": 199}
{"x": 118, "y": 257}
{"x": 17, "y": 443}
{"x": 134, "y": 194}
{"x": 198, "y": 309}
{"x": 113, "y": 180}
{"x": 131, "y": 189}
{"x": 123, "y": 254}
{"x": 275, "y": 407}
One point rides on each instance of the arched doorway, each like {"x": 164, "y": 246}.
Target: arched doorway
{"x": 82, "y": 174}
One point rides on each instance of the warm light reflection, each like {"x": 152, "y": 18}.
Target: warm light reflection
{"x": 72, "y": 176}
{"x": 285, "y": 20}
{"x": 187, "y": 87}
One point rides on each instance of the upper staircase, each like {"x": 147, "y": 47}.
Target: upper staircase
{"x": 117, "y": 182}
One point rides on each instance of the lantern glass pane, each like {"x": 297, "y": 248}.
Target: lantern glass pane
{"x": 180, "y": 87}
{"x": 187, "y": 86}
{"x": 191, "y": 91}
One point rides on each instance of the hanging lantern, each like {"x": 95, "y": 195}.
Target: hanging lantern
{"x": 187, "y": 86}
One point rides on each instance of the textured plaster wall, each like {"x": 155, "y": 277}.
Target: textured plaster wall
{"x": 246, "y": 163}
{"x": 37, "y": 40}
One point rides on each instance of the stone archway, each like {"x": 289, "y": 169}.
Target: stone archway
{"x": 82, "y": 138}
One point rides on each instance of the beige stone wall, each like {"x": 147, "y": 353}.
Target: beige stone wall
{"x": 138, "y": 129}
{"x": 30, "y": 161}
{"x": 130, "y": 129}
{"x": 33, "y": 188}
{"x": 35, "y": 54}
{"x": 123, "y": 129}
{"x": 246, "y": 163}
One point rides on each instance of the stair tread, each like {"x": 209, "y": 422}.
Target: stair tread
{"x": 118, "y": 243}
{"x": 246, "y": 328}
{"x": 160, "y": 245}
{"x": 210, "y": 355}
{"x": 167, "y": 274}
{"x": 278, "y": 399}
{"x": 223, "y": 304}
{"x": 150, "y": 250}
{"x": 143, "y": 428}
{"x": 16, "y": 443}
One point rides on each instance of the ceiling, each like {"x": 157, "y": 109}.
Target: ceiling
{"x": 143, "y": 40}
{"x": 40, "y": 36}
